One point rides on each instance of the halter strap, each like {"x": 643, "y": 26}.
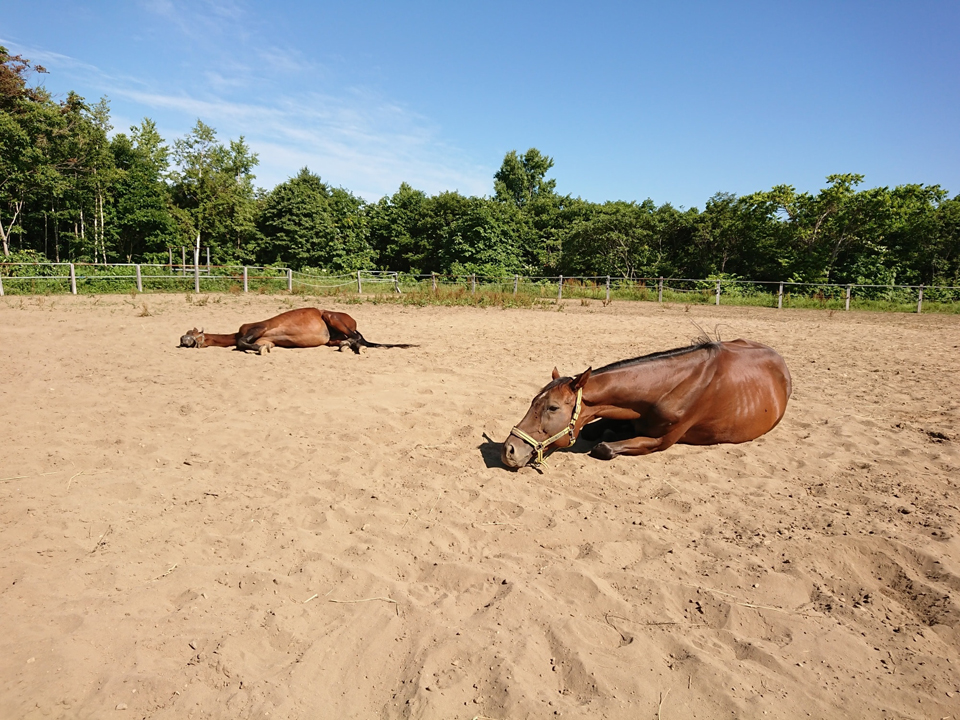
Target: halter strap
{"x": 540, "y": 445}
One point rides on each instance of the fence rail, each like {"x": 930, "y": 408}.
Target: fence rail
{"x": 77, "y": 278}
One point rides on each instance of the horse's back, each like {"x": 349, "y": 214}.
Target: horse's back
{"x": 746, "y": 397}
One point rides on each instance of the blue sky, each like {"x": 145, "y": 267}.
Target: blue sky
{"x": 633, "y": 100}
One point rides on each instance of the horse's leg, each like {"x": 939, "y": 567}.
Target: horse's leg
{"x": 341, "y": 324}
{"x": 640, "y": 445}
{"x": 599, "y": 429}
{"x": 350, "y": 344}
{"x": 248, "y": 340}
{"x": 356, "y": 345}
{"x": 633, "y": 446}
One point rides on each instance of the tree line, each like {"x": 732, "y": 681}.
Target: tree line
{"x": 72, "y": 191}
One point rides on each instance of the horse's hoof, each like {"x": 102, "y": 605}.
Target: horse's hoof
{"x": 603, "y": 452}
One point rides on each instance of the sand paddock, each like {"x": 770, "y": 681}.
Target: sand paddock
{"x": 315, "y": 534}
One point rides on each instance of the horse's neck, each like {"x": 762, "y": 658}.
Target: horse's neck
{"x": 219, "y": 340}
{"x": 639, "y": 383}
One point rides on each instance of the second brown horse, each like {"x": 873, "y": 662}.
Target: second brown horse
{"x": 708, "y": 393}
{"x": 303, "y": 328}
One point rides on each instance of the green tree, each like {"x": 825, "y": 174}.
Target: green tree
{"x": 941, "y": 265}
{"x": 536, "y": 221}
{"x": 213, "y": 192}
{"x": 304, "y": 223}
{"x": 911, "y": 231}
{"x": 28, "y": 120}
{"x": 145, "y": 225}
{"x": 616, "y": 238}
{"x": 521, "y": 178}
{"x": 396, "y": 231}
{"x": 470, "y": 235}
{"x": 823, "y": 225}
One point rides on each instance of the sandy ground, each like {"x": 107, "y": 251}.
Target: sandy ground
{"x": 315, "y": 534}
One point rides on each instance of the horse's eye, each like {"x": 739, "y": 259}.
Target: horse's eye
{"x": 553, "y": 408}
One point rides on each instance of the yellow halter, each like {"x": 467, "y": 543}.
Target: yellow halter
{"x": 540, "y": 445}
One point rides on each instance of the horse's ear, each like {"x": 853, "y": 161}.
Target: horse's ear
{"x": 556, "y": 373}
{"x": 581, "y": 379}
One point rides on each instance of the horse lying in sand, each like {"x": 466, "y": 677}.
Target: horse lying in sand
{"x": 705, "y": 394}
{"x": 303, "y": 328}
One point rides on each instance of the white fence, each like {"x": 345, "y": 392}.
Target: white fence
{"x": 46, "y": 278}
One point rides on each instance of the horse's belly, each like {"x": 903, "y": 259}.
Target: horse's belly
{"x": 315, "y": 336}
{"x": 741, "y": 417}
{"x": 727, "y": 433}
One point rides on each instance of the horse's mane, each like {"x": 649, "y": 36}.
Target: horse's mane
{"x": 703, "y": 342}
{"x": 700, "y": 344}
{"x": 552, "y": 384}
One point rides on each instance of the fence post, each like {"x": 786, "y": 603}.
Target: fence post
{"x": 473, "y": 283}
{"x": 608, "y": 288}
{"x": 170, "y": 265}
{"x": 718, "y": 292}
{"x": 660, "y": 290}
{"x": 780, "y": 298}
{"x": 1, "y": 285}
{"x": 196, "y": 271}
{"x": 139, "y": 279}
{"x": 183, "y": 260}
{"x": 359, "y": 284}
{"x": 245, "y": 278}
{"x": 560, "y": 289}
{"x": 919, "y": 299}
{"x": 433, "y": 280}
{"x": 516, "y": 282}
{"x": 289, "y": 280}
{"x": 208, "y": 260}
{"x": 73, "y": 279}
{"x": 848, "y": 297}
{"x": 396, "y": 283}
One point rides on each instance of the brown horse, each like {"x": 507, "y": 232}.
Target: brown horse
{"x": 708, "y": 393}
{"x": 303, "y": 328}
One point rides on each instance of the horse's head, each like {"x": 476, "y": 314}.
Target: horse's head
{"x": 549, "y": 423}
{"x": 193, "y": 338}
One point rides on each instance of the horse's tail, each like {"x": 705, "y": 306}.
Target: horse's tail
{"x": 361, "y": 340}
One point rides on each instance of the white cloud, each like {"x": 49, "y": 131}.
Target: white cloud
{"x": 203, "y": 20}
{"x": 287, "y": 61}
{"x": 354, "y": 137}
{"x": 47, "y": 58}
{"x": 360, "y": 141}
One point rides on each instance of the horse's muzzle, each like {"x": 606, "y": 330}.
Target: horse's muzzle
{"x": 188, "y": 341}
{"x": 515, "y": 453}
